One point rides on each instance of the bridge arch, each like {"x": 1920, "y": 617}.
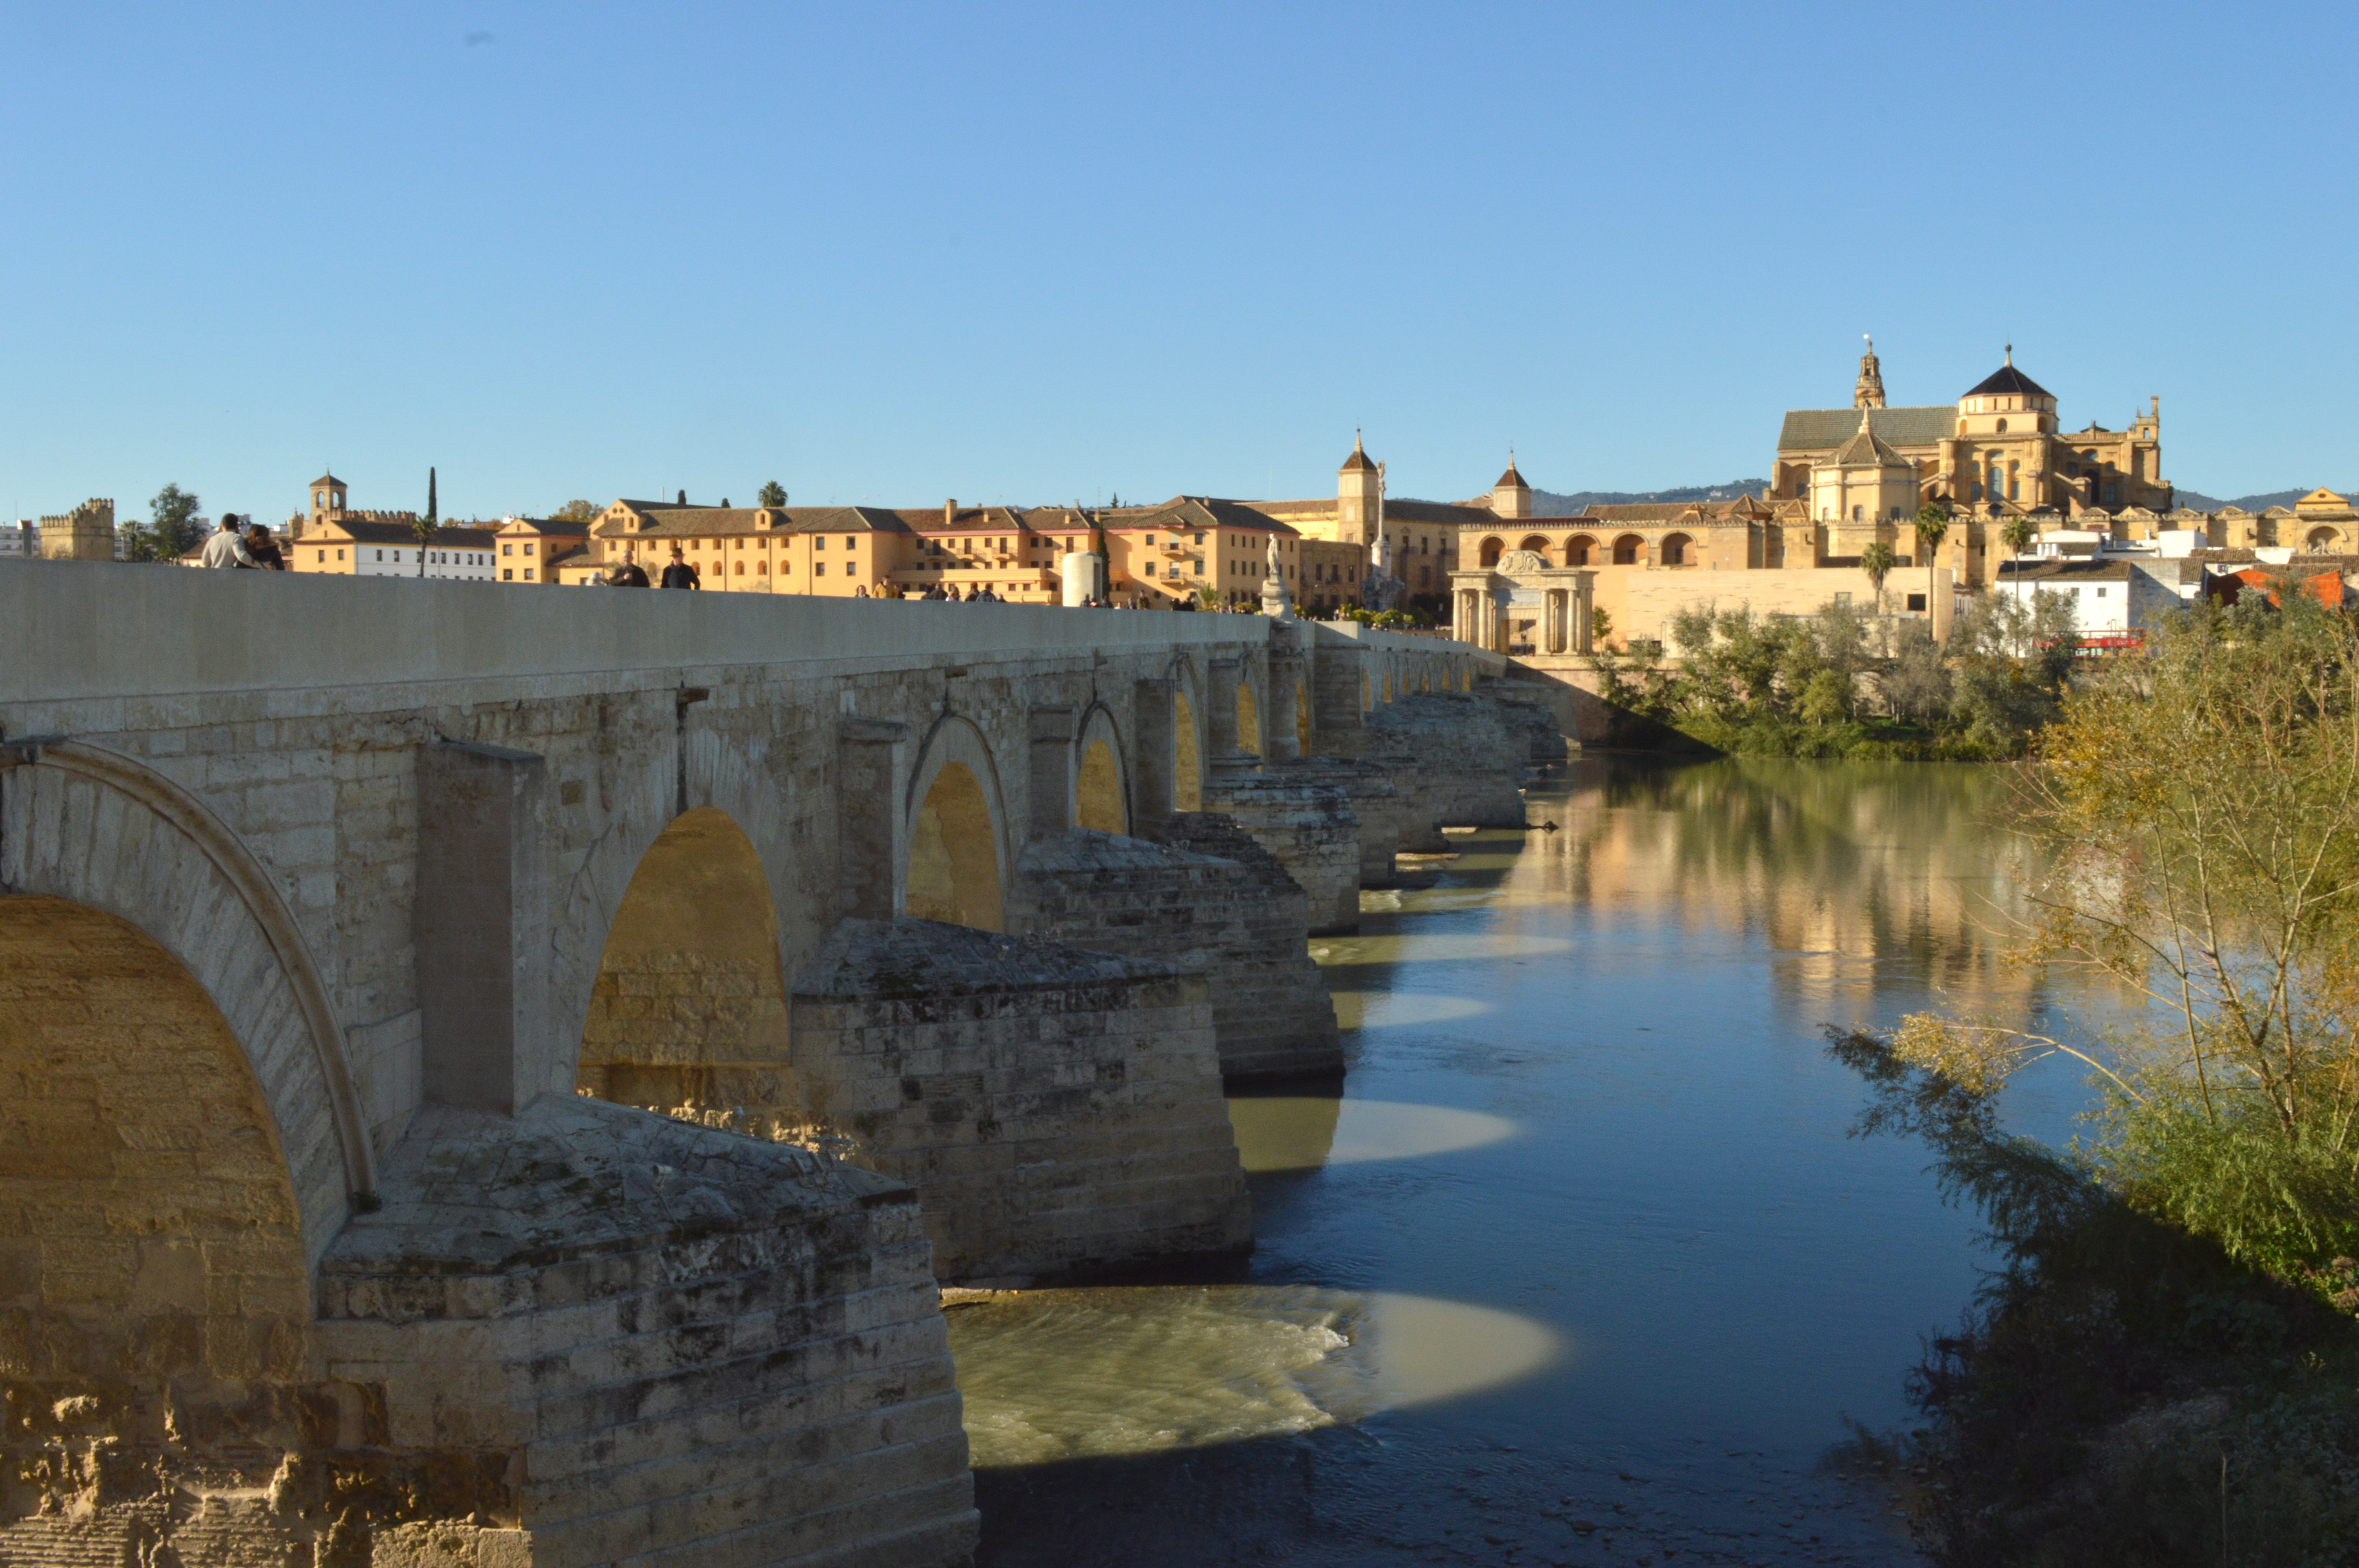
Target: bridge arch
{"x": 689, "y": 1007}
{"x": 153, "y": 1238}
{"x": 1101, "y": 781}
{"x": 85, "y": 826}
{"x": 957, "y": 830}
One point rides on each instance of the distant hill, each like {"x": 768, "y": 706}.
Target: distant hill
{"x": 2202, "y": 503}
{"x": 1550, "y": 504}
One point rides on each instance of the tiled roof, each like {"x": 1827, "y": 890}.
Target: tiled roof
{"x": 1439, "y": 512}
{"x": 1511, "y": 478}
{"x": 2047, "y": 571}
{"x": 2008, "y": 382}
{"x": 1866, "y": 450}
{"x": 401, "y": 534}
{"x": 1185, "y": 512}
{"x": 1812, "y": 429}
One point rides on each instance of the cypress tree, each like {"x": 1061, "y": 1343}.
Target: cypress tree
{"x": 426, "y": 527}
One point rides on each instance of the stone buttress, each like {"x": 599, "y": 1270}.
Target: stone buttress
{"x": 1210, "y": 899}
{"x": 1058, "y": 1110}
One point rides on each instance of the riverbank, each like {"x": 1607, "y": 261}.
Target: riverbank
{"x": 2124, "y": 1391}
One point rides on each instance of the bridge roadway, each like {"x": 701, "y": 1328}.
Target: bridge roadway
{"x": 346, "y": 923}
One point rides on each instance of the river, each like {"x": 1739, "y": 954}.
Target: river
{"x": 1583, "y": 1266}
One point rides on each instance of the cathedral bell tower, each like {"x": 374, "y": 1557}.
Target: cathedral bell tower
{"x": 1511, "y": 497}
{"x": 1356, "y": 486}
{"x": 1867, "y": 392}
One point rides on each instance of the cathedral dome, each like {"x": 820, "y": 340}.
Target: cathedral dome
{"x": 2009, "y": 381}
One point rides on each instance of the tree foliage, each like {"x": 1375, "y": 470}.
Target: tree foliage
{"x": 576, "y": 511}
{"x": 173, "y": 527}
{"x": 773, "y": 494}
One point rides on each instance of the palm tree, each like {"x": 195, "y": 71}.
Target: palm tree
{"x": 1932, "y": 527}
{"x": 1877, "y": 561}
{"x": 2017, "y": 535}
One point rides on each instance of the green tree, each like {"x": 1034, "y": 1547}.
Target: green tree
{"x": 1932, "y": 527}
{"x": 426, "y": 527}
{"x": 173, "y": 527}
{"x": 773, "y": 494}
{"x": 576, "y": 511}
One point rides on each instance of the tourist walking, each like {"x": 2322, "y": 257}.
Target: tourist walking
{"x": 225, "y": 548}
{"x": 680, "y": 574}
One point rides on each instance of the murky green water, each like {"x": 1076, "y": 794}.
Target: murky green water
{"x": 1583, "y": 1266}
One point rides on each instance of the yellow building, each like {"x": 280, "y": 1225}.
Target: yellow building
{"x": 1192, "y": 546}
{"x": 1419, "y": 538}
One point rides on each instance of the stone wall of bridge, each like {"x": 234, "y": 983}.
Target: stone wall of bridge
{"x": 426, "y": 861}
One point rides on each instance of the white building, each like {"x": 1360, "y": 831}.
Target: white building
{"x": 2109, "y": 598}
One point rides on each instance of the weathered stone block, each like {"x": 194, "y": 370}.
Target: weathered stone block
{"x": 987, "y": 1128}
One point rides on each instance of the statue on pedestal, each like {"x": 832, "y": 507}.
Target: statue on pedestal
{"x": 1276, "y": 599}
{"x": 1380, "y": 589}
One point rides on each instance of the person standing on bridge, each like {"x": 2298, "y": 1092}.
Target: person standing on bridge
{"x": 630, "y": 574}
{"x": 226, "y": 548}
{"x": 680, "y": 574}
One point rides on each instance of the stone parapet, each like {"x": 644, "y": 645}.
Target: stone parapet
{"x": 1058, "y": 1110}
{"x": 1309, "y": 826}
{"x": 1208, "y": 898}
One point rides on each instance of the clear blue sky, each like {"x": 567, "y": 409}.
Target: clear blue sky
{"x": 1046, "y": 252}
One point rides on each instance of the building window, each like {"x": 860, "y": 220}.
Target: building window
{"x": 762, "y": 569}
{"x": 380, "y": 555}
{"x": 323, "y": 554}
{"x": 528, "y": 550}
{"x": 1917, "y": 603}
{"x": 2002, "y": 426}
{"x": 1855, "y": 513}
{"x": 527, "y": 574}
{"x": 508, "y": 574}
{"x": 508, "y": 549}
{"x": 818, "y": 570}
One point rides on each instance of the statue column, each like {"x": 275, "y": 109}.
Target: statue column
{"x": 1555, "y": 608}
{"x": 1585, "y": 633}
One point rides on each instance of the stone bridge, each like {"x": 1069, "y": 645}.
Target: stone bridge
{"x": 354, "y": 932}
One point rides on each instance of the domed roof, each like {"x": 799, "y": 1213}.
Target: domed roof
{"x": 2009, "y": 381}
{"x": 1358, "y": 461}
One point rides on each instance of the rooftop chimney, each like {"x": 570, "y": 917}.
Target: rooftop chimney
{"x": 950, "y": 514}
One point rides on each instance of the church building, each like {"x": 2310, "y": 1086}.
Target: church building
{"x": 1998, "y": 451}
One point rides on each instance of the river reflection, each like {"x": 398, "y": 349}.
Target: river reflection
{"x": 1303, "y": 1133}
{"x": 1095, "y": 1373}
{"x": 1588, "y": 1106}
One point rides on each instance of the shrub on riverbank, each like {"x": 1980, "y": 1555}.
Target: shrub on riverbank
{"x": 2178, "y": 1291}
{"x": 1827, "y": 685}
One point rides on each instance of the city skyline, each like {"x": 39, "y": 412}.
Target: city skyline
{"x": 1064, "y": 255}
